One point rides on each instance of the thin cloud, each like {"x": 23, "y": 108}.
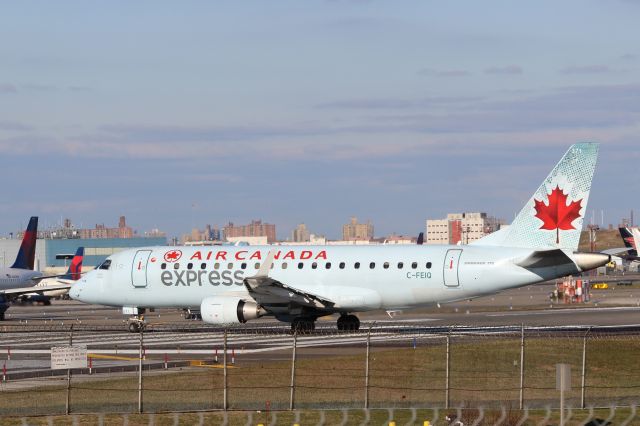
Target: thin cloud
{"x": 629, "y": 57}
{"x": 443, "y": 73}
{"x": 79, "y": 89}
{"x": 8, "y": 88}
{"x": 14, "y": 126}
{"x": 390, "y": 103}
{"x": 586, "y": 69}
{"x": 35, "y": 87}
{"x": 507, "y": 70}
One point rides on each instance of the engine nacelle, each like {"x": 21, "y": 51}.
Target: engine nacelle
{"x": 229, "y": 310}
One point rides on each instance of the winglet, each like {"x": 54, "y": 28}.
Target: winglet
{"x": 266, "y": 265}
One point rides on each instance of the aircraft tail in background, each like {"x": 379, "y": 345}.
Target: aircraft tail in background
{"x": 27, "y": 253}
{"x": 629, "y": 241}
{"x": 75, "y": 267}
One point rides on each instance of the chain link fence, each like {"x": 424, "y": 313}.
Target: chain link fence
{"x": 379, "y": 368}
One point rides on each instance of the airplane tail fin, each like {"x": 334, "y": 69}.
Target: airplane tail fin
{"x": 75, "y": 267}
{"x": 27, "y": 253}
{"x": 627, "y": 237}
{"x": 553, "y": 216}
{"x": 629, "y": 241}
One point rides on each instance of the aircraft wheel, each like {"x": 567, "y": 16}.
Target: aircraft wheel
{"x": 134, "y": 327}
{"x": 348, "y": 323}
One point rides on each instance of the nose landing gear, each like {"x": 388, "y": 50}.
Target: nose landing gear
{"x": 348, "y": 323}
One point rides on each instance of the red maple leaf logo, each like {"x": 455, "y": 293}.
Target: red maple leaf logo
{"x": 172, "y": 256}
{"x": 557, "y": 214}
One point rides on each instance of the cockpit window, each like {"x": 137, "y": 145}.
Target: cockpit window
{"x": 105, "y": 265}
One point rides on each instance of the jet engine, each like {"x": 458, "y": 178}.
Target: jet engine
{"x": 229, "y": 310}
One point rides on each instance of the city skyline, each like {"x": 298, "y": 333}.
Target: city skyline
{"x": 181, "y": 115}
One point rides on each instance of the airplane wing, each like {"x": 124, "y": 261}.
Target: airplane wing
{"x": 44, "y": 277}
{"x": 269, "y": 292}
{"x": 32, "y": 290}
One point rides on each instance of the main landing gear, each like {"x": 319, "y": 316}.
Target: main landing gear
{"x": 348, "y": 323}
{"x": 303, "y": 325}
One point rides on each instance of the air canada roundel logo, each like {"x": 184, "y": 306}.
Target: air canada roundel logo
{"x": 172, "y": 255}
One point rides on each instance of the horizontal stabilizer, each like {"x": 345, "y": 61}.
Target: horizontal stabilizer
{"x": 558, "y": 258}
{"x": 545, "y": 259}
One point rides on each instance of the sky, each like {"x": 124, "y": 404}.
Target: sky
{"x": 181, "y": 114}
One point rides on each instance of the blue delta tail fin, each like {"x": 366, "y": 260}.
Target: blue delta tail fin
{"x": 75, "y": 267}
{"x": 553, "y": 216}
{"x": 27, "y": 253}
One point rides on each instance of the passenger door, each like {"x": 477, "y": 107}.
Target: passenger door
{"x": 139, "y": 269}
{"x": 451, "y": 263}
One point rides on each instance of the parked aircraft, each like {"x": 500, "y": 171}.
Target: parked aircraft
{"x": 298, "y": 284}
{"x": 45, "y": 286}
{"x": 20, "y": 278}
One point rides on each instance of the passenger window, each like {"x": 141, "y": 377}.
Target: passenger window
{"x": 243, "y": 265}
{"x": 300, "y": 265}
{"x": 385, "y": 265}
{"x": 216, "y": 266}
{"x": 176, "y": 266}
{"x": 356, "y": 265}
{"x": 372, "y": 265}
{"x": 257, "y": 265}
{"x": 230, "y": 266}
{"x": 314, "y": 265}
{"x": 428, "y": 265}
{"x": 400, "y": 265}
{"x": 163, "y": 266}
{"x": 341, "y": 266}
{"x": 328, "y": 265}
{"x": 284, "y": 265}
{"x": 189, "y": 265}
{"x": 203, "y": 266}
{"x": 414, "y": 265}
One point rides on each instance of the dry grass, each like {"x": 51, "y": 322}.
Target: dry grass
{"x": 484, "y": 372}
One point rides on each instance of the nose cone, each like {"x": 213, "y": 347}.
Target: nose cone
{"x": 587, "y": 261}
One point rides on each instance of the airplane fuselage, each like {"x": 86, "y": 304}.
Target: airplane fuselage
{"x": 356, "y": 278}
{"x": 17, "y": 278}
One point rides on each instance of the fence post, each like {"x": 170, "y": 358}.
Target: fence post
{"x": 293, "y": 370}
{"x": 522, "y": 367}
{"x": 366, "y": 370}
{"x": 140, "y": 355}
{"x": 584, "y": 368}
{"x": 68, "y": 402}
{"x": 446, "y": 388}
{"x": 224, "y": 368}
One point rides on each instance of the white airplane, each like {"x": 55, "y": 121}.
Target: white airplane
{"x": 298, "y": 284}
{"x": 50, "y": 286}
{"x": 20, "y": 278}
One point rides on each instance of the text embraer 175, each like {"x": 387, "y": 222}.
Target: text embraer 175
{"x": 298, "y": 284}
